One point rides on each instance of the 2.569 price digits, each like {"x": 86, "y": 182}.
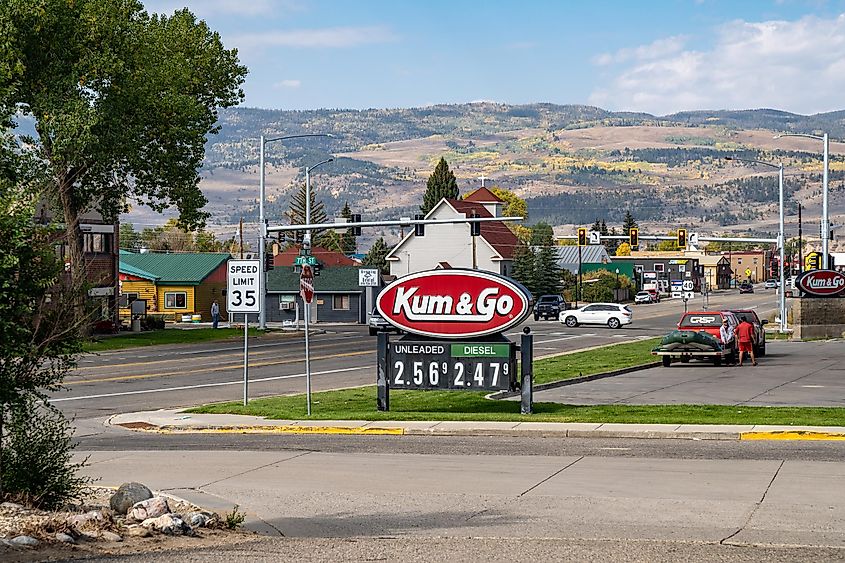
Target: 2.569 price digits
{"x": 436, "y": 374}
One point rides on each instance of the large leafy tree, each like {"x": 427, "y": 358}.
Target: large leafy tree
{"x": 123, "y": 102}
{"x": 441, "y": 183}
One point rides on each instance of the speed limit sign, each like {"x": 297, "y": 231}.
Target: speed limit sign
{"x": 243, "y": 286}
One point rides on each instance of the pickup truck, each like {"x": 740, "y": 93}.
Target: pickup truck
{"x": 759, "y": 332}
{"x": 549, "y": 307}
{"x": 685, "y": 342}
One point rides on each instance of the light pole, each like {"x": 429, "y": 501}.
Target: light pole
{"x": 616, "y": 297}
{"x": 781, "y": 240}
{"x": 825, "y": 222}
{"x": 262, "y": 315}
{"x": 306, "y": 244}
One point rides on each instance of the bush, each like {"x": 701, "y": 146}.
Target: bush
{"x": 152, "y": 322}
{"x": 597, "y": 293}
{"x": 36, "y": 464}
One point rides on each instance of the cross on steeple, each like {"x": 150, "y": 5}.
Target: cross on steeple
{"x": 482, "y": 178}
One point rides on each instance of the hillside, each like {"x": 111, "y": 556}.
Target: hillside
{"x": 572, "y": 163}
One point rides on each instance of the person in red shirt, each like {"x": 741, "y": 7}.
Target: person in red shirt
{"x": 745, "y": 339}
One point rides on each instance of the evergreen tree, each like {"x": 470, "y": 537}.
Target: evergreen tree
{"x": 628, "y": 223}
{"x": 596, "y": 226}
{"x": 441, "y": 183}
{"x": 523, "y": 268}
{"x": 375, "y": 258}
{"x": 296, "y": 216}
{"x": 349, "y": 242}
{"x": 129, "y": 238}
{"x": 603, "y": 228}
{"x": 547, "y": 273}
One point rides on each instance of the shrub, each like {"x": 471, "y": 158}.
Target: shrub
{"x": 153, "y": 322}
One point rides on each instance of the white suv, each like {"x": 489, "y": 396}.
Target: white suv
{"x": 611, "y": 314}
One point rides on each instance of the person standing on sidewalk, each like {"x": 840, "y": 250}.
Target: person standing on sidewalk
{"x": 215, "y": 314}
{"x": 745, "y": 337}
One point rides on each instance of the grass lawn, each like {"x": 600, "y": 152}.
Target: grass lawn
{"x": 360, "y": 403}
{"x": 166, "y": 336}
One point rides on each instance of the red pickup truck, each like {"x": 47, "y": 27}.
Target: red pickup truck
{"x": 711, "y": 323}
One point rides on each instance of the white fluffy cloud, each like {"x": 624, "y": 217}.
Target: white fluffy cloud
{"x": 288, "y": 83}
{"x": 791, "y": 65}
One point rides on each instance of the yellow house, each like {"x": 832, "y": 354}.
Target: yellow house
{"x": 177, "y": 285}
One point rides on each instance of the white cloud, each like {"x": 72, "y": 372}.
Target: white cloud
{"x": 654, "y": 50}
{"x": 288, "y": 83}
{"x": 331, "y": 37}
{"x": 239, "y": 7}
{"x": 791, "y": 65}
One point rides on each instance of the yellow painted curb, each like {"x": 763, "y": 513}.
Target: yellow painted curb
{"x": 283, "y": 430}
{"x": 791, "y": 435}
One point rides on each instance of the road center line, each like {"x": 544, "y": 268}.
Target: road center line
{"x": 202, "y": 385}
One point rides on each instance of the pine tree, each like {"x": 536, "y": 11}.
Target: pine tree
{"x": 296, "y": 215}
{"x": 596, "y": 228}
{"x": 547, "y": 277}
{"x": 349, "y": 242}
{"x": 441, "y": 183}
{"x": 375, "y": 258}
{"x": 628, "y": 223}
{"x": 523, "y": 267}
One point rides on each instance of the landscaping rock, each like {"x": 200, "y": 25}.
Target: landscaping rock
{"x": 168, "y": 524}
{"x": 28, "y": 541}
{"x": 150, "y": 508}
{"x": 110, "y": 536}
{"x": 127, "y": 495}
{"x": 79, "y": 521}
{"x": 65, "y": 538}
{"x": 12, "y": 506}
{"x": 198, "y": 519}
{"x": 138, "y": 532}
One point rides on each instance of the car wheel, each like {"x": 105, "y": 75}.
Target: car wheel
{"x": 536, "y": 317}
{"x": 613, "y": 323}
{"x": 571, "y": 322}
{"x": 717, "y": 361}
{"x": 373, "y": 331}
{"x": 667, "y": 361}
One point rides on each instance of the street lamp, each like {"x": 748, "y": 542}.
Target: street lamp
{"x": 262, "y": 315}
{"x": 825, "y": 222}
{"x": 782, "y": 288}
{"x": 617, "y": 286}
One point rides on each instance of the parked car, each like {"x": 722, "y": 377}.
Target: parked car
{"x": 771, "y": 283}
{"x": 643, "y": 297}
{"x": 746, "y": 287}
{"x": 759, "y": 331}
{"x": 655, "y": 295}
{"x": 611, "y": 314}
{"x": 549, "y": 307}
{"x": 377, "y": 323}
{"x": 711, "y": 323}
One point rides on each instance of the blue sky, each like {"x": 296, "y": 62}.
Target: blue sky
{"x": 654, "y": 56}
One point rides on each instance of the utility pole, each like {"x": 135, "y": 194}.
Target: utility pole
{"x": 241, "y": 237}
{"x": 800, "y": 243}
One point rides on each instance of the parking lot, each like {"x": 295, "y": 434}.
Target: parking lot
{"x": 791, "y": 374}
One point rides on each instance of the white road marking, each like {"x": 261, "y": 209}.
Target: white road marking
{"x": 202, "y": 385}
{"x": 557, "y": 339}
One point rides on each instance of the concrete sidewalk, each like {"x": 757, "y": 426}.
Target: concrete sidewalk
{"x": 177, "y": 421}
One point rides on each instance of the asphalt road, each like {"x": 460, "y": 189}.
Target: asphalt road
{"x": 174, "y": 376}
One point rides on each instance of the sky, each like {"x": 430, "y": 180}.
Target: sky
{"x": 656, "y": 56}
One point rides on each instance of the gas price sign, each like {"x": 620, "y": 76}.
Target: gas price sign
{"x": 480, "y": 366}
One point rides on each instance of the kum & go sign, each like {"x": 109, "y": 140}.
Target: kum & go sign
{"x": 822, "y": 283}
{"x": 454, "y": 303}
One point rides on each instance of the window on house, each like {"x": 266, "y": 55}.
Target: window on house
{"x": 287, "y": 302}
{"x": 99, "y": 243}
{"x": 340, "y": 302}
{"x": 175, "y": 300}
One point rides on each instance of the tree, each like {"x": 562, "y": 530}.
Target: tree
{"x": 441, "y": 183}
{"x": 546, "y": 270}
{"x": 668, "y": 245}
{"x": 623, "y": 249}
{"x": 523, "y": 267}
{"x": 375, "y": 258}
{"x": 129, "y": 239}
{"x": 296, "y": 216}
{"x": 349, "y": 242}
{"x": 514, "y": 205}
{"x": 628, "y": 223}
{"x": 123, "y": 103}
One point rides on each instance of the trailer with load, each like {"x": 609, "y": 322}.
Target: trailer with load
{"x": 698, "y": 337}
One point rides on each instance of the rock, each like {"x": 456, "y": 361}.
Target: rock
{"x": 127, "y": 495}
{"x": 150, "y": 508}
{"x": 110, "y": 536}
{"x": 11, "y": 505}
{"x": 65, "y": 538}
{"x": 138, "y": 532}
{"x": 168, "y": 524}
{"x": 79, "y": 521}
{"x": 198, "y": 519}
{"x": 25, "y": 540}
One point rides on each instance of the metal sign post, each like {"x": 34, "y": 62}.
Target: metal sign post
{"x": 306, "y": 289}
{"x": 243, "y": 290}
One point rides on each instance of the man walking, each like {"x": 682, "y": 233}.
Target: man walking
{"x": 745, "y": 337}
{"x": 215, "y": 314}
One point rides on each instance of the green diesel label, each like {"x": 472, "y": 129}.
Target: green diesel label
{"x": 480, "y": 350}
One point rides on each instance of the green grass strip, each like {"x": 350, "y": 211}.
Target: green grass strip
{"x": 166, "y": 336}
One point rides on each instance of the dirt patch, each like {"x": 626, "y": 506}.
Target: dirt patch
{"x": 138, "y": 425}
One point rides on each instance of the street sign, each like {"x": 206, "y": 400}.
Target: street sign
{"x": 454, "y": 303}
{"x": 693, "y": 239}
{"x": 368, "y": 277}
{"x": 595, "y": 237}
{"x": 748, "y": 272}
{"x": 243, "y": 286}
{"x": 306, "y": 283}
{"x": 688, "y": 285}
{"x": 300, "y": 260}
{"x": 689, "y": 295}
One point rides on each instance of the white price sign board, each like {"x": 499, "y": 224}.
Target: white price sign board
{"x": 368, "y": 278}
{"x": 243, "y": 286}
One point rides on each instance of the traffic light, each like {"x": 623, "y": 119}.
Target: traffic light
{"x": 682, "y": 238}
{"x": 316, "y": 268}
{"x": 474, "y": 226}
{"x": 268, "y": 262}
{"x": 419, "y": 230}
{"x": 356, "y": 231}
{"x": 582, "y": 236}
{"x": 634, "y": 237}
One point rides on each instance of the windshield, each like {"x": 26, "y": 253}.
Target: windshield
{"x": 548, "y": 298}
{"x": 702, "y": 319}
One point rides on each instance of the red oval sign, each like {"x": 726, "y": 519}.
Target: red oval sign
{"x": 453, "y": 303}
{"x": 822, "y": 283}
